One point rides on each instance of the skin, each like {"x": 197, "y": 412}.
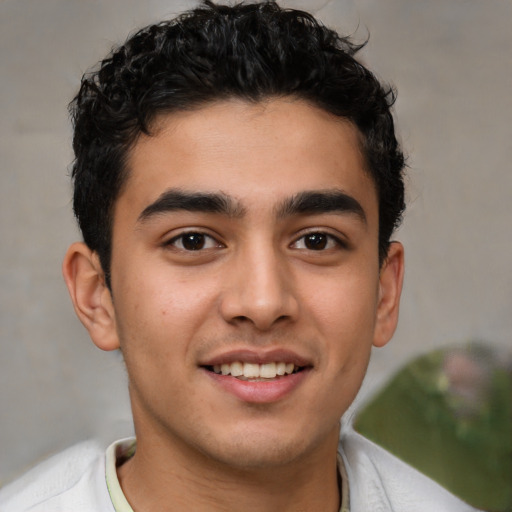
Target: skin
{"x": 255, "y": 285}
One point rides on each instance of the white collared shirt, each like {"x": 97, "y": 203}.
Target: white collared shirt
{"x": 83, "y": 478}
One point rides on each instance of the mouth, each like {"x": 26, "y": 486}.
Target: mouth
{"x": 258, "y": 376}
{"x": 254, "y": 372}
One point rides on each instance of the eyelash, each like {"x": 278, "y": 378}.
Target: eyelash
{"x": 330, "y": 240}
{"x": 333, "y": 240}
{"x": 182, "y": 236}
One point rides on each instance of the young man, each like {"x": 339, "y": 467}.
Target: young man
{"x": 237, "y": 181}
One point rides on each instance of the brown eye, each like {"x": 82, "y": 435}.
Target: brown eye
{"x": 193, "y": 241}
{"x": 316, "y": 241}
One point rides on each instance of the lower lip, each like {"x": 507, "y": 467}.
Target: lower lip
{"x": 259, "y": 392}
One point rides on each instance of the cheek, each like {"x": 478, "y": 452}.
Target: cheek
{"x": 344, "y": 314}
{"x": 159, "y": 315}
{"x": 158, "y": 295}
{"x": 345, "y": 307}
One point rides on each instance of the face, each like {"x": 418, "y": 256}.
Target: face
{"x": 246, "y": 291}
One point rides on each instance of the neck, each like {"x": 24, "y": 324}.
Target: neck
{"x": 165, "y": 476}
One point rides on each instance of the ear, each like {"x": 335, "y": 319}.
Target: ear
{"x": 90, "y": 295}
{"x": 390, "y": 288}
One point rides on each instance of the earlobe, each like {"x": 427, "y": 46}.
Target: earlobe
{"x": 390, "y": 289}
{"x": 90, "y": 296}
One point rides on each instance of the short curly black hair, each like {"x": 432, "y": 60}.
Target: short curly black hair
{"x": 215, "y": 52}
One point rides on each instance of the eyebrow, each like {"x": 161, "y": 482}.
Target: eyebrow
{"x": 304, "y": 203}
{"x": 321, "y": 201}
{"x": 175, "y": 199}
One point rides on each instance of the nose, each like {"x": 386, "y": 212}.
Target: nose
{"x": 259, "y": 290}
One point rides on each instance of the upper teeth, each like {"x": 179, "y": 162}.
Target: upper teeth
{"x": 254, "y": 371}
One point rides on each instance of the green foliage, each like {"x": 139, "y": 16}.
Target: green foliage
{"x": 449, "y": 414}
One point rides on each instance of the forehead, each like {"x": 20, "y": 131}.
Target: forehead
{"x": 258, "y": 153}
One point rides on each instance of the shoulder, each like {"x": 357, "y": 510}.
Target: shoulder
{"x": 381, "y": 482}
{"x": 70, "y": 481}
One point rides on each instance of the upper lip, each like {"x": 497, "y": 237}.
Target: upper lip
{"x": 247, "y": 355}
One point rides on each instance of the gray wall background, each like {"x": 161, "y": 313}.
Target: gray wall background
{"x": 451, "y": 61}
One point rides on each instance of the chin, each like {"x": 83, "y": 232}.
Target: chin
{"x": 256, "y": 450}
{"x": 258, "y": 456}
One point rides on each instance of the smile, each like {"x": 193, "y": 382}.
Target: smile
{"x": 253, "y": 371}
{"x": 258, "y": 376}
